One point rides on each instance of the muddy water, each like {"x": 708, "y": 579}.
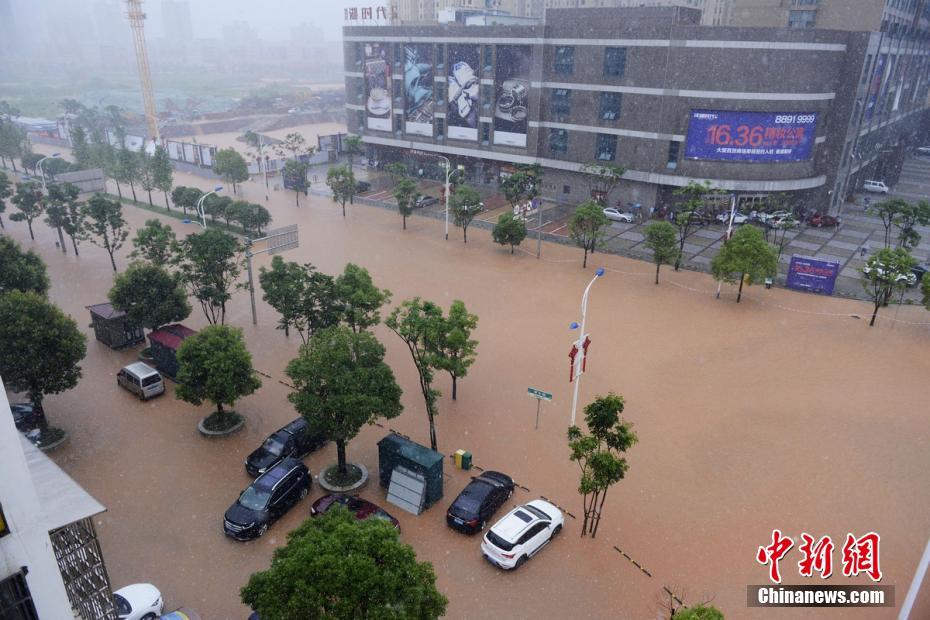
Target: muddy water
{"x": 781, "y": 411}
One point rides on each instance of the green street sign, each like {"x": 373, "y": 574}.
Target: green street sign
{"x": 539, "y": 394}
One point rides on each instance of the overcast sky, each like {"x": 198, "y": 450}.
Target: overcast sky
{"x": 271, "y": 19}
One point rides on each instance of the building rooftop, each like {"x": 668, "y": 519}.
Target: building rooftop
{"x": 63, "y": 500}
{"x": 171, "y": 336}
{"x": 105, "y": 311}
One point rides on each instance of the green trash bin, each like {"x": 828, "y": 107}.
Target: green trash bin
{"x": 466, "y": 461}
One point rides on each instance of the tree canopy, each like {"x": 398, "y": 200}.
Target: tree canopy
{"x": 359, "y": 298}
{"x": 586, "y": 227}
{"x": 465, "y": 205}
{"x": 887, "y": 271}
{"x": 104, "y": 223}
{"x": 406, "y": 195}
{"x": 156, "y": 243}
{"x": 215, "y": 365}
{"x": 456, "y": 351}
{"x": 210, "y": 264}
{"x": 21, "y": 270}
{"x": 661, "y": 238}
{"x": 28, "y": 201}
{"x": 149, "y": 295}
{"x": 746, "y": 257}
{"x": 342, "y": 383}
{"x": 305, "y": 298}
{"x": 342, "y": 184}
{"x": 509, "y": 230}
{"x": 230, "y": 165}
{"x": 40, "y": 348}
{"x": 336, "y": 568}
{"x": 295, "y": 177}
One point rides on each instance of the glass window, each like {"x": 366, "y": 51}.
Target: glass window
{"x": 558, "y": 140}
{"x": 673, "y": 148}
{"x": 361, "y": 119}
{"x": 16, "y": 600}
{"x": 488, "y": 57}
{"x": 564, "y": 60}
{"x": 606, "y": 147}
{"x": 4, "y": 528}
{"x": 440, "y": 128}
{"x": 485, "y": 133}
{"x": 499, "y": 542}
{"x": 151, "y": 380}
{"x": 566, "y": 189}
{"x": 440, "y": 50}
{"x": 614, "y": 61}
{"x": 561, "y": 105}
{"x": 610, "y": 106}
{"x": 254, "y": 499}
{"x": 273, "y": 446}
{"x": 801, "y": 19}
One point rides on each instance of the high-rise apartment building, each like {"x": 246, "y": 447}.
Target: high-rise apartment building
{"x": 855, "y": 15}
{"x": 176, "y": 20}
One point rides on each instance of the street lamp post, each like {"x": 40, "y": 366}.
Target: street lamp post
{"x": 729, "y": 233}
{"x": 262, "y": 163}
{"x": 200, "y": 211}
{"x": 448, "y": 167}
{"x": 578, "y": 361}
{"x": 42, "y": 172}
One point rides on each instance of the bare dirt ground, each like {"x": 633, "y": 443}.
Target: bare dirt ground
{"x": 783, "y": 411}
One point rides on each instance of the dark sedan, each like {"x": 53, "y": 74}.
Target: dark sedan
{"x": 25, "y": 417}
{"x": 819, "y": 221}
{"x": 479, "y": 501}
{"x": 267, "y": 499}
{"x": 361, "y": 508}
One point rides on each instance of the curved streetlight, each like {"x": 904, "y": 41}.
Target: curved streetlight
{"x": 448, "y": 167}
{"x": 579, "y": 344}
{"x": 200, "y": 211}
{"x": 42, "y": 172}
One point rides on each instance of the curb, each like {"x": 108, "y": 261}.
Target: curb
{"x": 338, "y": 489}
{"x": 212, "y": 434}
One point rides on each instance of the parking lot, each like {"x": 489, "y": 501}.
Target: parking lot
{"x": 780, "y": 412}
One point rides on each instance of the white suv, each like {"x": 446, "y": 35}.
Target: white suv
{"x": 521, "y": 534}
{"x": 877, "y": 187}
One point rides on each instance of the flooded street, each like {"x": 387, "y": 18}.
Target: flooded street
{"x": 784, "y": 411}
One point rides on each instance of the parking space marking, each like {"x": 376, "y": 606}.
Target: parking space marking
{"x": 635, "y": 563}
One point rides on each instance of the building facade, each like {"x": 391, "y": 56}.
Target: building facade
{"x": 854, "y": 15}
{"x": 753, "y": 111}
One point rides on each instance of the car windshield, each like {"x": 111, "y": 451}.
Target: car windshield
{"x": 254, "y": 499}
{"x": 122, "y": 605}
{"x": 499, "y": 542}
{"x": 273, "y": 446}
{"x": 467, "y": 505}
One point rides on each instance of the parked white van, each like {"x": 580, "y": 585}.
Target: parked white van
{"x": 142, "y": 380}
{"x": 877, "y": 187}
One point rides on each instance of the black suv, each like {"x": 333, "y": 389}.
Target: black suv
{"x": 479, "y": 501}
{"x": 267, "y": 499}
{"x": 294, "y": 440}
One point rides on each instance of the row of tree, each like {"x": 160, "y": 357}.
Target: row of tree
{"x": 250, "y": 216}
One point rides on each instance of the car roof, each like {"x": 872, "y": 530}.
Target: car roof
{"x": 140, "y": 369}
{"x": 295, "y": 426}
{"x": 273, "y": 476}
{"x": 515, "y": 523}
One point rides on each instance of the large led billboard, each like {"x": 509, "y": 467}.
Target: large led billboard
{"x": 750, "y": 136}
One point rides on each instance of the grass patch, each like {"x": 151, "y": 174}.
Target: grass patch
{"x": 178, "y": 214}
{"x": 332, "y": 475}
{"x": 216, "y": 423}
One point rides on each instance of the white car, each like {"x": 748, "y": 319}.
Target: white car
{"x": 876, "y": 187}
{"x": 618, "y": 216}
{"x": 770, "y": 218}
{"x": 140, "y": 601}
{"x": 521, "y": 534}
{"x": 909, "y": 278}
{"x": 738, "y": 218}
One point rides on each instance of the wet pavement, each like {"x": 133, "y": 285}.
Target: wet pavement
{"x": 784, "y": 411}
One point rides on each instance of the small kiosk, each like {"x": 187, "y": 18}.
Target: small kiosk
{"x": 164, "y": 343}
{"x": 113, "y": 328}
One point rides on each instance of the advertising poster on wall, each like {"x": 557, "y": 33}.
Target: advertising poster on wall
{"x": 812, "y": 274}
{"x": 418, "y": 89}
{"x": 512, "y": 94}
{"x": 875, "y": 86}
{"x": 751, "y": 136}
{"x": 462, "y": 111}
{"x": 378, "y": 86}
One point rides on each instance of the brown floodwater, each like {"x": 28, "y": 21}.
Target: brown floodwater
{"x": 782, "y": 411}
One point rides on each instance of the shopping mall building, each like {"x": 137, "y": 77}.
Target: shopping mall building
{"x": 752, "y": 110}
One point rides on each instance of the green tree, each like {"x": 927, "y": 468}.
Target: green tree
{"x": 925, "y": 291}
{"x": 465, "y": 205}
{"x": 907, "y": 221}
{"x": 214, "y": 205}
{"x": 215, "y": 365}
{"x": 305, "y": 298}
{"x": 185, "y": 197}
{"x": 210, "y": 265}
{"x": 600, "y": 455}
{"x": 104, "y": 224}
{"x": 72, "y": 219}
{"x": 693, "y": 198}
{"x": 162, "y": 173}
{"x": 13, "y": 141}
{"x": 30, "y": 161}
{"x": 522, "y": 185}
{"x": 336, "y": 568}
{"x": 888, "y": 211}
{"x": 746, "y": 256}
{"x": 341, "y": 383}
{"x": 230, "y": 165}
{"x": 587, "y": 226}
{"x": 295, "y": 144}
{"x": 149, "y": 295}
{"x": 156, "y": 244}
{"x": 80, "y": 149}
{"x": 602, "y": 178}
{"x": 295, "y": 177}
{"x": 396, "y": 171}
{"x": 699, "y": 612}
{"x": 128, "y": 169}
{"x": 421, "y": 326}
{"x": 342, "y": 183}
{"x": 146, "y": 172}
{"x": 252, "y": 217}
{"x": 21, "y": 270}
{"x": 352, "y": 146}
{"x": 886, "y": 271}
{"x": 56, "y": 213}
{"x": 6, "y": 191}
{"x": 28, "y": 200}
{"x": 406, "y": 195}
{"x": 456, "y": 351}
{"x": 661, "y": 238}
{"x": 40, "y": 350}
{"x": 783, "y": 226}
{"x": 509, "y": 230}
{"x": 359, "y": 298}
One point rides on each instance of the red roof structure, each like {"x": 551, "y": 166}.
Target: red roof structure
{"x": 171, "y": 336}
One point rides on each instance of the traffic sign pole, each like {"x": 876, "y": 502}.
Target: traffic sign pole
{"x": 540, "y": 396}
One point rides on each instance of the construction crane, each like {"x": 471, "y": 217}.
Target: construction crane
{"x": 137, "y": 22}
